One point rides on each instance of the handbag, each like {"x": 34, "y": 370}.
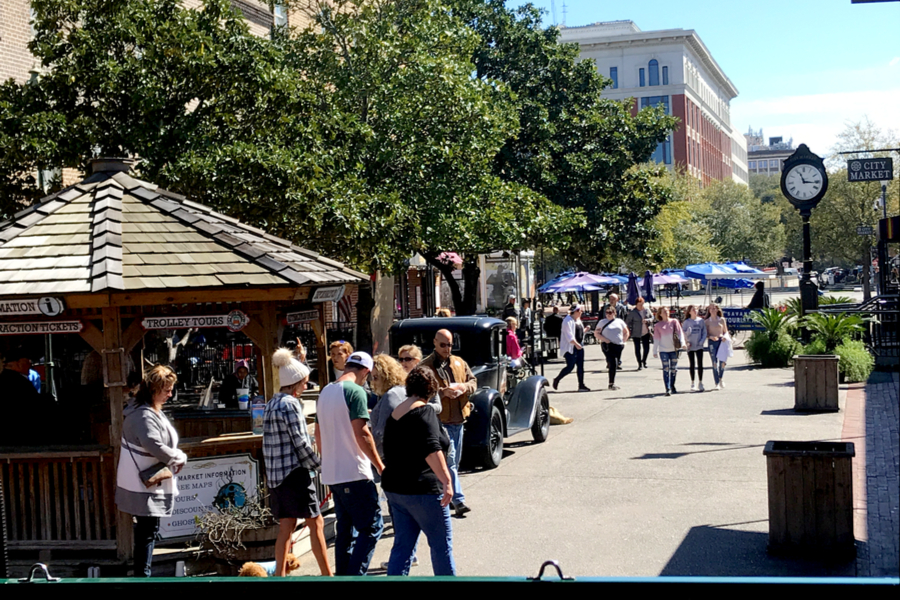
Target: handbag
{"x": 152, "y": 475}
{"x": 604, "y": 346}
{"x": 676, "y": 339}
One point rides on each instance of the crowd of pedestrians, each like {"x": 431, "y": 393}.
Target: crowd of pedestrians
{"x": 412, "y": 439}
{"x": 696, "y": 335}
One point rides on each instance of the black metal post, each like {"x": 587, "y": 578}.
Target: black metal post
{"x": 809, "y": 291}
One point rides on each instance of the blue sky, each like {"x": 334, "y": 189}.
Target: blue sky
{"x": 804, "y": 68}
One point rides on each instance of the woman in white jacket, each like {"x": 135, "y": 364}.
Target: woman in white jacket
{"x": 149, "y": 447}
{"x": 571, "y": 343}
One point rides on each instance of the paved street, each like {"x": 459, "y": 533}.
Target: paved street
{"x": 639, "y": 484}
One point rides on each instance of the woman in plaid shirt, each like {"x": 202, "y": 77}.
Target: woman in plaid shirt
{"x": 290, "y": 458}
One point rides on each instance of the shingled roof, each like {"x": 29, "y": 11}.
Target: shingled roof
{"x": 112, "y": 232}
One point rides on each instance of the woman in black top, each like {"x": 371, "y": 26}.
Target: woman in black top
{"x": 416, "y": 479}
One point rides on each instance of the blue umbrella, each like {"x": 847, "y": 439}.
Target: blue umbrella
{"x": 648, "y": 287}
{"x": 631, "y": 292}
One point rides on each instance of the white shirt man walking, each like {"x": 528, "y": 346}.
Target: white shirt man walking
{"x": 348, "y": 453}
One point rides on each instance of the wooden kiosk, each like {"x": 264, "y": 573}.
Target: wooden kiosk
{"x": 100, "y": 264}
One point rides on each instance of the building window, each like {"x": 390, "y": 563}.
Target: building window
{"x": 665, "y": 75}
{"x": 641, "y": 77}
{"x": 663, "y": 152}
{"x": 753, "y": 164}
{"x": 654, "y": 72}
{"x": 614, "y": 75}
{"x": 279, "y": 12}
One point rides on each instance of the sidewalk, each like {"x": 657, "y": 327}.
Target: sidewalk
{"x": 872, "y": 413}
{"x": 641, "y": 485}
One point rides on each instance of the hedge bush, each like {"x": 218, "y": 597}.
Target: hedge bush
{"x": 771, "y": 351}
{"x": 856, "y": 362}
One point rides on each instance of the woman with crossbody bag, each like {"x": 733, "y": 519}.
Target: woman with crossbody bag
{"x": 148, "y": 462}
{"x": 668, "y": 340}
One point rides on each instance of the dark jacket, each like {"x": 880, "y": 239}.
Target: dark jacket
{"x": 553, "y": 326}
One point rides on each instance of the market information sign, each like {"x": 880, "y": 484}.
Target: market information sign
{"x": 870, "y": 169}
{"x": 303, "y": 316}
{"x": 48, "y": 306}
{"x": 41, "y": 327}
{"x": 233, "y": 321}
{"x": 865, "y": 230}
{"x": 205, "y": 484}
{"x": 328, "y": 294}
{"x": 738, "y": 319}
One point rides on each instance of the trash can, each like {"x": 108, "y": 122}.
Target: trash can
{"x": 811, "y": 498}
{"x": 816, "y": 382}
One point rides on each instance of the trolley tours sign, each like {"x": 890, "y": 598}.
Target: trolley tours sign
{"x": 41, "y": 327}
{"x": 233, "y": 321}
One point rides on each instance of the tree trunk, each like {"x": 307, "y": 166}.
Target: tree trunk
{"x": 465, "y": 300}
{"x": 365, "y": 302}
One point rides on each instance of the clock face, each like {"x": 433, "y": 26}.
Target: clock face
{"x": 803, "y": 182}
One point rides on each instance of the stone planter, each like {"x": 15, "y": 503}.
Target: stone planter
{"x": 816, "y": 382}
{"x": 811, "y": 498}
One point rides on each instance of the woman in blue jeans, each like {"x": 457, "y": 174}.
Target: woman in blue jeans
{"x": 416, "y": 480}
{"x": 665, "y": 332}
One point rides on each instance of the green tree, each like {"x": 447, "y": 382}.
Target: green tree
{"x": 426, "y": 132}
{"x": 573, "y": 146}
{"x": 683, "y": 236}
{"x": 742, "y": 227}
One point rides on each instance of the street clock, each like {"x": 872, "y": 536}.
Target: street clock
{"x": 804, "y": 180}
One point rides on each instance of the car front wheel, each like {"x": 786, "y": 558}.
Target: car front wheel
{"x": 493, "y": 451}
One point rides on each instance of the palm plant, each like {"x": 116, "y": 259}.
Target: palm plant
{"x": 775, "y": 321}
{"x": 825, "y": 300}
{"x": 833, "y": 329}
{"x": 794, "y": 307}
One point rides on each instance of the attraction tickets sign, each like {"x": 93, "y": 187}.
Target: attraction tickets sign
{"x": 41, "y": 327}
{"x": 205, "y": 484}
{"x": 48, "y": 306}
{"x": 233, "y": 321}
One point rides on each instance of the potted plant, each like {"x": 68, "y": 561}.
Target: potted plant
{"x": 775, "y": 346}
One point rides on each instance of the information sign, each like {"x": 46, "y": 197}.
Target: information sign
{"x": 208, "y": 483}
{"x": 48, "y": 306}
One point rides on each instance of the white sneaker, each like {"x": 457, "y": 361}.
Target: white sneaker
{"x": 700, "y": 387}
{"x": 721, "y": 385}
{"x": 718, "y": 386}
{"x": 693, "y": 387}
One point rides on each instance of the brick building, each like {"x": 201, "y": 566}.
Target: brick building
{"x": 671, "y": 68}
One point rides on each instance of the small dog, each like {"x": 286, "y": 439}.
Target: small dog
{"x": 267, "y": 569}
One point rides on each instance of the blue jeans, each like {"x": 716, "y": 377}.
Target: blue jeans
{"x": 718, "y": 368}
{"x": 669, "y": 368}
{"x": 454, "y": 455}
{"x": 358, "y": 528}
{"x": 145, "y": 531}
{"x": 573, "y": 360}
{"x": 413, "y": 514}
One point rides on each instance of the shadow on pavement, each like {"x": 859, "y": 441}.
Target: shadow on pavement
{"x": 718, "y": 552}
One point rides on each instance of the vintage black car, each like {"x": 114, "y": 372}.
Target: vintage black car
{"x": 508, "y": 401}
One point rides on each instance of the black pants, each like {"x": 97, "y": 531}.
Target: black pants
{"x": 613, "y": 354}
{"x": 645, "y": 342}
{"x": 145, "y": 531}
{"x": 696, "y": 355}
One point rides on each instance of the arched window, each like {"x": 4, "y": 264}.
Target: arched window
{"x": 654, "y": 72}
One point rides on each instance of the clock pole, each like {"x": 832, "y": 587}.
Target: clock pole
{"x": 804, "y": 182}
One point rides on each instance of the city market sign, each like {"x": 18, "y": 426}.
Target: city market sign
{"x": 870, "y": 169}
{"x": 47, "y": 305}
{"x": 41, "y": 327}
{"x": 233, "y": 321}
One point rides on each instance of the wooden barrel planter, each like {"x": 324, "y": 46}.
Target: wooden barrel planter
{"x": 816, "y": 383}
{"x": 811, "y": 498}
{"x": 259, "y": 545}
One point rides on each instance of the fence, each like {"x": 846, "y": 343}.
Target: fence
{"x": 881, "y": 336}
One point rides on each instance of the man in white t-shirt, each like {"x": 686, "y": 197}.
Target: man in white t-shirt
{"x": 348, "y": 452}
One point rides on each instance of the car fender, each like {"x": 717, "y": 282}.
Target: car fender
{"x": 478, "y": 425}
{"x": 524, "y": 402}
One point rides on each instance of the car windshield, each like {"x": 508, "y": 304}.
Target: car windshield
{"x": 473, "y": 346}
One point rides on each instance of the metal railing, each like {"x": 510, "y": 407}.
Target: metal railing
{"x": 881, "y": 337}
